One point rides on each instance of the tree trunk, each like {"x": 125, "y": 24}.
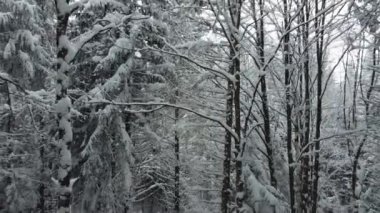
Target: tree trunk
{"x": 41, "y": 188}
{"x": 226, "y": 190}
{"x": 235, "y": 15}
{"x": 305, "y": 160}
{"x": 354, "y": 182}
{"x": 354, "y": 121}
{"x": 9, "y": 102}
{"x": 62, "y": 109}
{"x": 345, "y": 92}
{"x": 177, "y": 165}
{"x": 233, "y": 113}
{"x": 319, "y": 31}
{"x": 264, "y": 96}
{"x": 239, "y": 165}
{"x": 287, "y": 63}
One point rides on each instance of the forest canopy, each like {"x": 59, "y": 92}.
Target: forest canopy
{"x": 194, "y": 106}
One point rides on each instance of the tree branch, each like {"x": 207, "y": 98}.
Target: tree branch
{"x": 211, "y": 118}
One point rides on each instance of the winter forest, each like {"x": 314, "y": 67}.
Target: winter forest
{"x": 193, "y": 106}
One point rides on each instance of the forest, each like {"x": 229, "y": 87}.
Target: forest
{"x": 190, "y": 106}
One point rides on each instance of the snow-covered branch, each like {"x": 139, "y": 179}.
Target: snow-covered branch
{"x": 7, "y": 78}
{"x": 78, "y": 42}
{"x": 217, "y": 72}
{"x": 341, "y": 134}
{"x": 211, "y": 118}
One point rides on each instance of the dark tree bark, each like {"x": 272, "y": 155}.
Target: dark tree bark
{"x": 9, "y": 102}
{"x": 287, "y": 63}
{"x": 305, "y": 160}
{"x": 233, "y": 113}
{"x": 43, "y": 196}
{"x": 226, "y": 190}
{"x": 63, "y": 105}
{"x": 354, "y": 181}
{"x": 239, "y": 165}
{"x": 41, "y": 188}
{"x": 354, "y": 121}
{"x": 319, "y": 31}
{"x": 235, "y": 16}
{"x": 177, "y": 165}
{"x": 346, "y": 120}
{"x": 265, "y": 109}
{"x": 345, "y": 93}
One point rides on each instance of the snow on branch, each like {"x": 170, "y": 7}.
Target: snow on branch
{"x": 177, "y": 53}
{"x": 211, "y": 118}
{"x": 88, "y": 148}
{"x": 78, "y": 42}
{"x": 26, "y": 62}
{"x": 217, "y": 72}
{"x": 62, "y": 7}
{"x": 113, "y": 83}
{"x": 76, "y": 5}
{"x": 5, "y": 18}
{"x": 100, "y": 3}
{"x": 113, "y": 21}
{"x": 10, "y": 49}
{"x": 27, "y": 7}
{"x": 7, "y": 78}
{"x": 115, "y": 80}
{"x": 260, "y": 193}
{"x": 341, "y": 134}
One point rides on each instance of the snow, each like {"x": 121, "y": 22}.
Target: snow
{"x": 42, "y": 96}
{"x": 368, "y": 7}
{"x": 27, "y": 63}
{"x": 358, "y": 189}
{"x": 263, "y": 194}
{"x": 96, "y": 58}
{"x": 27, "y": 39}
{"x": 96, "y": 93}
{"x": 65, "y": 124}
{"x": 115, "y": 80}
{"x": 64, "y": 42}
{"x": 65, "y": 158}
{"x": 98, "y": 3}
{"x": 115, "y": 18}
{"x": 77, "y": 43}
{"x": 63, "y": 106}
{"x": 196, "y": 44}
{"x": 88, "y": 149}
{"x": 124, "y": 138}
{"x": 63, "y": 7}
{"x": 25, "y": 7}
{"x": 9, "y": 49}
{"x": 64, "y": 66}
{"x": 138, "y": 54}
{"x": 4, "y": 107}
{"x": 62, "y": 173}
{"x": 240, "y": 195}
{"x": 73, "y": 6}
{"x": 124, "y": 43}
{"x": 4, "y": 75}
{"x": 5, "y": 18}
{"x": 213, "y": 37}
